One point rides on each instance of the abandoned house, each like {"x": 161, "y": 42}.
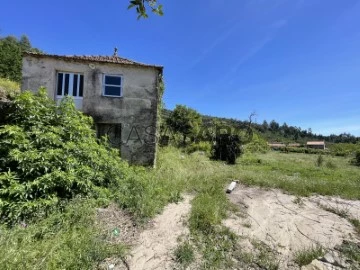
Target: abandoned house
{"x": 121, "y": 95}
{"x": 316, "y": 145}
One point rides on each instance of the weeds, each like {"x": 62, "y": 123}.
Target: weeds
{"x": 64, "y": 240}
{"x": 356, "y": 224}
{"x": 265, "y": 258}
{"x": 184, "y": 254}
{"x": 344, "y": 214}
{"x": 350, "y": 250}
{"x": 319, "y": 161}
{"x": 305, "y": 256}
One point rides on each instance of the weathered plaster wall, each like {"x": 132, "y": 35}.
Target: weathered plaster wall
{"x": 136, "y": 110}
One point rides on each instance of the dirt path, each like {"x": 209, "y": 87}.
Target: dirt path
{"x": 154, "y": 247}
{"x": 287, "y": 224}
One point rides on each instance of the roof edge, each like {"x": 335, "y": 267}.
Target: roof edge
{"x": 93, "y": 58}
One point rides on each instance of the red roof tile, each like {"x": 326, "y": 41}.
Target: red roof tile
{"x": 94, "y": 58}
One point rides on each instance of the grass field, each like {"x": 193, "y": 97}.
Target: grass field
{"x": 300, "y": 174}
{"x": 71, "y": 240}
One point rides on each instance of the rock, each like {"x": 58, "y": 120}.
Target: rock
{"x": 322, "y": 265}
{"x": 328, "y": 258}
{"x": 336, "y": 259}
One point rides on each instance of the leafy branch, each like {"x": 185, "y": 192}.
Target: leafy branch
{"x": 142, "y": 7}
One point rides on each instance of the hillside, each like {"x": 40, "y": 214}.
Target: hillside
{"x": 274, "y": 132}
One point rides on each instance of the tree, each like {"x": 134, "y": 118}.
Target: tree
{"x": 184, "y": 120}
{"x": 274, "y": 126}
{"x": 24, "y": 43}
{"x": 11, "y": 50}
{"x": 265, "y": 126}
{"x": 10, "y": 59}
{"x": 142, "y": 6}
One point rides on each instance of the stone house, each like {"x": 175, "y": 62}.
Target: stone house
{"x": 121, "y": 95}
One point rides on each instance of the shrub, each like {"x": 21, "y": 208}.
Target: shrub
{"x": 227, "y": 148}
{"x": 50, "y": 153}
{"x": 356, "y": 160}
{"x": 319, "y": 161}
{"x": 257, "y": 145}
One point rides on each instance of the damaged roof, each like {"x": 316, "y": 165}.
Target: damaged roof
{"x": 114, "y": 59}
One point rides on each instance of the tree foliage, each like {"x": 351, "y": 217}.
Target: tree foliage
{"x": 142, "y": 7}
{"x": 227, "y": 147}
{"x": 185, "y": 120}
{"x": 11, "y": 50}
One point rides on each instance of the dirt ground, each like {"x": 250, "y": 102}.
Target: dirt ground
{"x": 152, "y": 247}
{"x": 288, "y": 224}
{"x": 283, "y": 222}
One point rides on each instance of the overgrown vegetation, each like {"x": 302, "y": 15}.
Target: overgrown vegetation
{"x": 8, "y": 89}
{"x": 50, "y": 154}
{"x": 67, "y": 239}
{"x": 54, "y": 171}
{"x": 184, "y": 254}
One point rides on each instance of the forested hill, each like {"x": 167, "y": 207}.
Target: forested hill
{"x": 275, "y": 132}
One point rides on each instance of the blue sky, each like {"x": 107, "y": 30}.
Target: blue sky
{"x": 295, "y": 61}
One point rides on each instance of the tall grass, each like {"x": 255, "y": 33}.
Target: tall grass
{"x": 64, "y": 240}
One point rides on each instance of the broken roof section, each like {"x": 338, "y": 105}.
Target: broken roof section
{"x": 113, "y": 59}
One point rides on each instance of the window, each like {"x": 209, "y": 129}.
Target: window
{"x": 71, "y": 84}
{"x": 112, "y": 85}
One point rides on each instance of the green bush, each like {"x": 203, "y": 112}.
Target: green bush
{"x": 344, "y": 149}
{"x": 319, "y": 160}
{"x": 356, "y": 160}
{"x": 257, "y": 145}
{"x": 227, "y": 148}
{"x": 50, "y": 153}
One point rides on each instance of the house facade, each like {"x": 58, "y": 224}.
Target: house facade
{"x": 121, "y": 95}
